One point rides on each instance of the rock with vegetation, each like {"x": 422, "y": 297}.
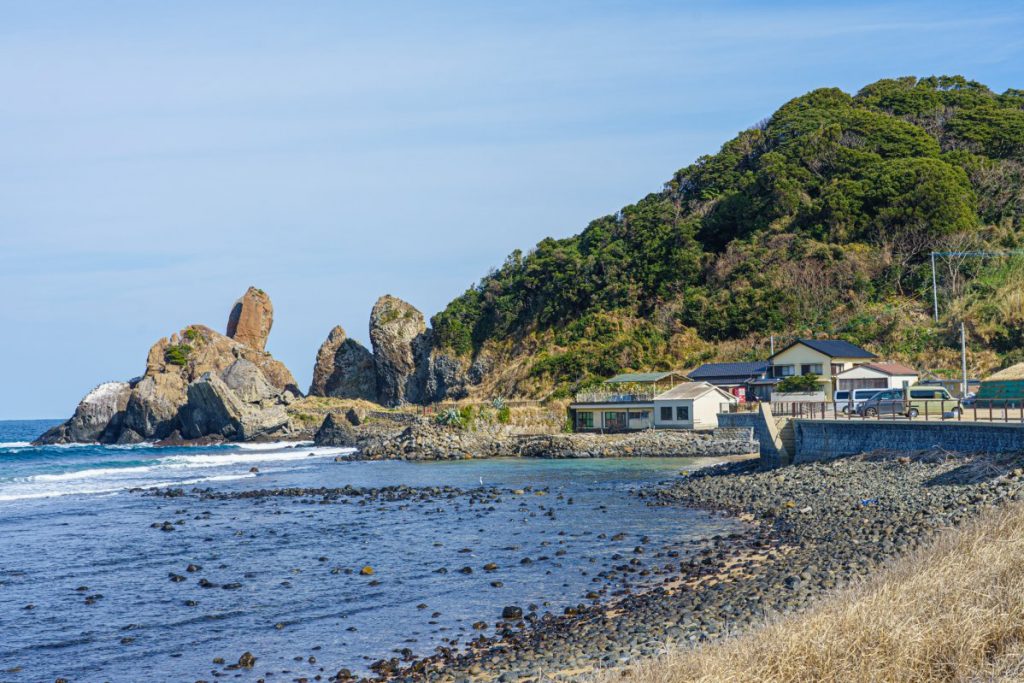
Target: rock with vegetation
{"x": 251, "y": 318}
{"x": 397, "y": 332}
{"x": 344, "y": 369}
{"x": 157, "y": 405}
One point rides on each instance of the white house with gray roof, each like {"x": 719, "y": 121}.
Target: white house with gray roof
{"x": 644, "y": 402}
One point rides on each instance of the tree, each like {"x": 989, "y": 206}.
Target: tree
{"x": 798, "y": 383}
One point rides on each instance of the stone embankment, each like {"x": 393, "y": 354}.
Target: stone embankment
{"x": 380, "y": 436}
{"x": 815, "y": 528}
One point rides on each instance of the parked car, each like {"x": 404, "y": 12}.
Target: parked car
{"x": 848, "y": 401}
{"x": 923, "y": 400}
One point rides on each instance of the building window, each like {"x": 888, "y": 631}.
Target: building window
{"x": 683, "y": 413}
{"x": 666, "y": 413}
{"x": 584, "y": 420}
{"x": 837, "y": 368}
{"x": 783, "y": 370}
{"x": 642, "y": 415}
{"x": 810, "y": 369}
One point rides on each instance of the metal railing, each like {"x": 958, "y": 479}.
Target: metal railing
{"x": 983, "y": 410}
{"x": 614, "y": 397}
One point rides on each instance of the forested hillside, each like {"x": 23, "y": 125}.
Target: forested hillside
{"x": 817, "y": 221}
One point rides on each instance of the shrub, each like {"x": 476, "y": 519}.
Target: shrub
{"x": 177, "y": 354}
{"x": 449, "y": 417}
{"x": 798, "y": 383}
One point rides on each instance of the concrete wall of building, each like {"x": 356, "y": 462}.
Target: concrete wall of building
{"x": 827, "y": 439}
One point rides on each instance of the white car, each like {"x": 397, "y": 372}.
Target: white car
{"x": 848, "y": 401}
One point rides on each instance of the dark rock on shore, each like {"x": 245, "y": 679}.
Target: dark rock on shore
{"x": 336, "y": 432}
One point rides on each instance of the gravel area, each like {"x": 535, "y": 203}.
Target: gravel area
{"x": 814, "y": 528}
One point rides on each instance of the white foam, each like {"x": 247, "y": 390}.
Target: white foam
{"x": 15, "y": 444}
{"x": 274, "y": 445}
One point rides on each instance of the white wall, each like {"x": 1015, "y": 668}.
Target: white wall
{"x": 673, "y": 423}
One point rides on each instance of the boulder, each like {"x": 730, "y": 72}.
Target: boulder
{"x": 214, "y": 409}
{"x": 335, "y": 432}
{"x": 98, "y": 417}
{"x": 395, "y": 328}
{"x": 344, "y": 369}
{"x": 249, "y": 383}
{"x": 251, "y": 318}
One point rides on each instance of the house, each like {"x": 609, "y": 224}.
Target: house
{"x": 876, "y": 376}
{"x": 688, "y": 405}
{"x": 734, "y": 378}
{"x": 826, "y": 358}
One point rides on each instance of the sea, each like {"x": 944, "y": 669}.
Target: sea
{"x": 102, "y": 580}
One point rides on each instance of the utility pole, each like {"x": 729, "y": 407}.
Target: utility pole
{"x": 963, "y": 358}
{"x": 773, "y": 344}
{"x": 935, "y": 291}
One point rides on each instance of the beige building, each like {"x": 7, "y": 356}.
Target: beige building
{"x": 825, "y": 358}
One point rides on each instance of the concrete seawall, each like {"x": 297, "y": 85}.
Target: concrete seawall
{"x": 827, "y": 439}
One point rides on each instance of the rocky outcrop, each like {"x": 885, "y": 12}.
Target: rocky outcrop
{"x": 251, "y": 318}
{"x": 405, "y": 365}
{"x": 396, "y": 329}
{"x": 344, "y": 369}
{"x": 336, "y": 432}
{"x": 197, "y": 383}
{"x": 98, "y": 417}
{"x": 213, "y": 408}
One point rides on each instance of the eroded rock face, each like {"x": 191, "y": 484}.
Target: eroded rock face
{"x": 344, "y": 369}
{"x": 251, "y": 318}
{"x": 98, "y": 417}
{"x": 395, "y": 327}
{"x": 213, "y": 408}
{"x": 159, "y": 405}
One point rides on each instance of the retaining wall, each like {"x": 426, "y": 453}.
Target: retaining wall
{"x": 773, "y": 453}
{"x": 827, "y": 439}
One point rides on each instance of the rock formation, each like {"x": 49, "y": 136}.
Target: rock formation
{"x": 197, "y": 383}
{"x": 336, "y": 432}
{"x": 344, "y": 369}
{"x": 251, "y": 318}
{"x": 404, "y": 367}
{"x": 102, "y": 410}
{"x": 395, "y": 329}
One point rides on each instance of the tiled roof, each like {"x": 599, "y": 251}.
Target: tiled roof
{"x": 891, "y": 368}
{"x": 834, "y": 348}
{"x": 687, "y": 390}
{"x": 641, "y": 377}
{"x": 729, "y": 370}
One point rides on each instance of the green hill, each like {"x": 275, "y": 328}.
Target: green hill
{"x": 817, "y": 221}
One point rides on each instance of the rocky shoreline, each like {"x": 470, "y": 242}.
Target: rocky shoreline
{"x": 814, "y": 528}
{"x": 400, "y": 436}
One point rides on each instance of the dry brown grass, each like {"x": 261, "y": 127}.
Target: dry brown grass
{"x": 953, "y": 611}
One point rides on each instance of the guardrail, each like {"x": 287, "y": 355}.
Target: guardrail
{"x": 612, "y": 397}
{"x": 952, "y": 410}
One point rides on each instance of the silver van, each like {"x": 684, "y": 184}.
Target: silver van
{"x": 848, "y": 401}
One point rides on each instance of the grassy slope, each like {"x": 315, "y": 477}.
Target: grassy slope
{"x": 816, "y": 222}
{"x": 953, "y": 611}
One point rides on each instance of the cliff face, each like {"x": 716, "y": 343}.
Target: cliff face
{"x": 197, "y": 383}
{"x": 344, "y": 369}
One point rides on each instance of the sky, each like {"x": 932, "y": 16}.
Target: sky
{"x": 156, "y": 159}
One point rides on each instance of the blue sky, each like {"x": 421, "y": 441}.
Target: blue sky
{"x": 158, "y": 158}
